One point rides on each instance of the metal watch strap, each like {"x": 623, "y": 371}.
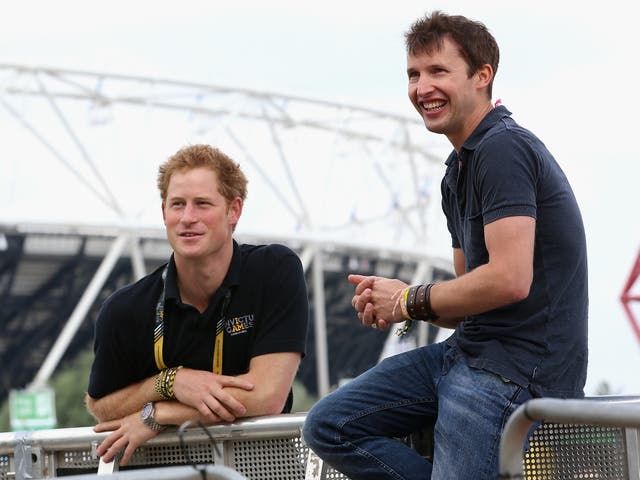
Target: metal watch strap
{"x": 147, "y": 414}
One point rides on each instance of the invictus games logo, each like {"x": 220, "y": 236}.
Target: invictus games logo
{"x": 238, "y": 325}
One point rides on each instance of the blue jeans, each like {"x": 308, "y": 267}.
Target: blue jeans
{"x": 356, "y": 428}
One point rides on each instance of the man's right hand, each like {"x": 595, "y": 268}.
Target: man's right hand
{"x": 205, "y": 392}
{"x": 377, "y": 300}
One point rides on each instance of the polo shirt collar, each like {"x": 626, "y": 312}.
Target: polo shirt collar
{"x": 470, "y": 144}
{"x": 490, "y": 119}
{"x": 231, "y": 279}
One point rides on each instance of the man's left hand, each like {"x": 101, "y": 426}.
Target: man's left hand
{"x": 128, "y": 433}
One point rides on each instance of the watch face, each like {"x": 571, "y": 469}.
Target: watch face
{"x": 147, "y": 411}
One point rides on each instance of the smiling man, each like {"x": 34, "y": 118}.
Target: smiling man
{"x": 518, "y": 303}
{"x": 215, "y": 334}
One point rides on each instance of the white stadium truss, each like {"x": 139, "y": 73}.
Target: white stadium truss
{"x": 81, "y": 152}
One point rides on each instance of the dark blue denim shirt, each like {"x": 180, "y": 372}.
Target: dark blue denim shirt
{"x": 540, "y": 342}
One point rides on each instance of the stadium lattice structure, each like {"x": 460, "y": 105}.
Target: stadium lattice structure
{"x": 348, "y": 188}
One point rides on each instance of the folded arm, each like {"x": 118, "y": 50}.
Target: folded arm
{"x": 270, "y": 376}
{"x": 122, "y": 402}
{"x": 130, "y": 399}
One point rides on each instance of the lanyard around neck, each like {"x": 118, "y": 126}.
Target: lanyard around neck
{"x": 158, "y": 331}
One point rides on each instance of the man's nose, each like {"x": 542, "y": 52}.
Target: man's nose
{"x": 189, "y": 214}
{"x": 424, "y": 85}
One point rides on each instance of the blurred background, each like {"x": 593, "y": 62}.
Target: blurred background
{"x": 312, "y": 103}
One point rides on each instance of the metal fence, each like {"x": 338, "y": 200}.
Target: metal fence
{"x": 544, "y": 439}
{"x": 572, "y": 439}
{"x": 266, "y": 448}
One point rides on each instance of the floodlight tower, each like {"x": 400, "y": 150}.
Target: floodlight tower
{"x": 628, "y": 296}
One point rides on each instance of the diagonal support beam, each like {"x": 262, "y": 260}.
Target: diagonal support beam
{"x": 627, "y": 297}
{"x": 77, "y": 317}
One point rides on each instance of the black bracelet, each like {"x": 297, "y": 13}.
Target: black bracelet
{"x": 421, "y": 293}
{"x": 430, "y": 315}
{"x": 411, "y": 301}
{"x": 419, "y": 303}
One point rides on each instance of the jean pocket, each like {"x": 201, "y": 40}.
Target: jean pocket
{"x": 451, "y": 356}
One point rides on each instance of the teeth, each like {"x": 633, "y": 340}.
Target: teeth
{"x": 432, "y": 105}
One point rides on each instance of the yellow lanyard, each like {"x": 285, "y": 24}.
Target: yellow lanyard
{"x": 158, "y": 331}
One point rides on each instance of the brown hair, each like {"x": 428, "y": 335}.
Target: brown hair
{"x": 476, "y": 44}
{"x": 232, "y": 182}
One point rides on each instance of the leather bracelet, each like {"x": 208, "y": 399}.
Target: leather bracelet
{"x": 419, "y": 303}
{"x": 411, "y": 301}
{"x": 420, "y": 299}
{"x": 430, "y": 315}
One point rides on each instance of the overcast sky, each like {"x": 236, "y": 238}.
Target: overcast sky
{"x": 568, "y": 72}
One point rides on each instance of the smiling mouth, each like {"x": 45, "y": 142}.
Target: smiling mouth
{"x": 432, "y": 106}
{"x": 189, "y": 235}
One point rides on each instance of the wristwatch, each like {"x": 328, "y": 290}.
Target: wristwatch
{"x": 147, "y": 413}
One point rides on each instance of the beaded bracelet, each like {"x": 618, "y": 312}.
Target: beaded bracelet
{"x": 158, "y": 384}
{"x": 164, "y": 383}
{"x": 170, "y": 378}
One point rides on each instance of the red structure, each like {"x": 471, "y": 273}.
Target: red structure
{"x": 627, "y": 297}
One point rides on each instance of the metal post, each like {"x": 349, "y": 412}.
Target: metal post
{"x": 632, "y": 438}
{"x": 623, "y": 413}
{"x": 137, "y": 259}
{"x": 77, "y": 317}
{"x": 322, "y": 363}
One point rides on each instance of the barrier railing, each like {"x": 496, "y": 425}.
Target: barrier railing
{"x": 590, "y": 438}
{"x": 577, "y": 439}
{"x": 264, "y": 448}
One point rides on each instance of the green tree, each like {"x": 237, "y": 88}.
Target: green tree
{"x": 4, "y": 417}
{"x": 302, "y": 399}
{"x": 604, "y": 388}
{"x": 70, "y": 385}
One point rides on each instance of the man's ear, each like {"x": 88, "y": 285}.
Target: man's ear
{"x": 484, "y": 75}
{"x": 164, "y": 217}
{"x": 234, "y": 211}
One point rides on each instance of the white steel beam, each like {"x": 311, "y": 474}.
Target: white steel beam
{"x": 79, "y": 313}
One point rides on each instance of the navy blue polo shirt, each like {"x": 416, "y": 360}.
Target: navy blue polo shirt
{"x": 540, "y": 342}
{"x": 267, "y": 312}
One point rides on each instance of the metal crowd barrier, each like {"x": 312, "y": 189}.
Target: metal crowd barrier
{"x": 576, "y": 439}
{"x": 265, "y": 448}
{"x": 208, "y": 472}
{"x": 594, "y": 438}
